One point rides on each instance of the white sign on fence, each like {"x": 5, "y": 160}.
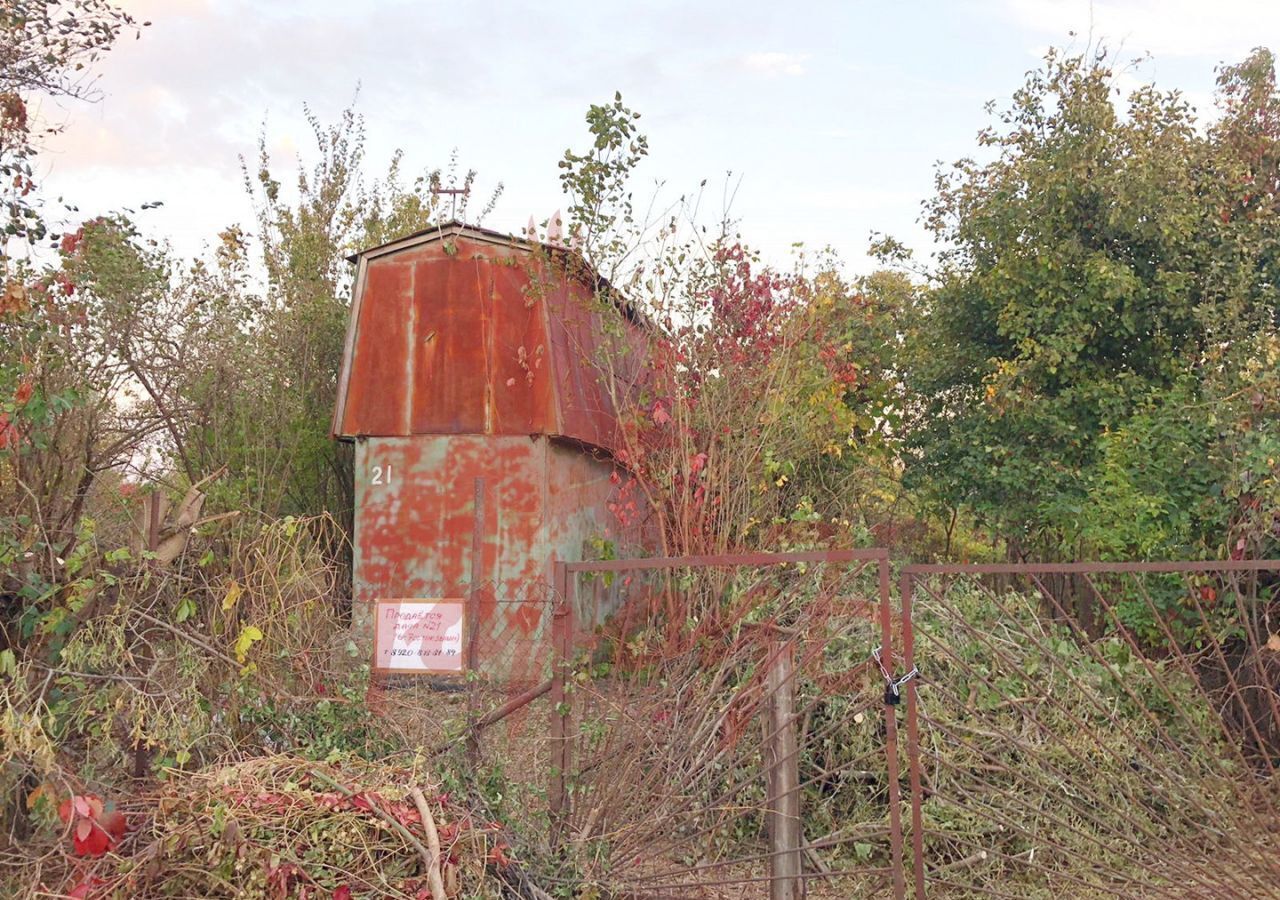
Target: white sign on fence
{"x": 419, "y": 636}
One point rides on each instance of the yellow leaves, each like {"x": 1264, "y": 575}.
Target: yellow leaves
{"x": 232, "y": 245}
{"x": 1273, "y": 350}
{"x": 43, "y": 792}
{"x": 1273, "y": 643}
{"x": 999, "y": 383}
{"x": 249, "y": 635}
{"x": 233, "y": 595}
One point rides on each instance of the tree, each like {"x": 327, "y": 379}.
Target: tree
{"x": 47, "y": 457}
{"x": 1108, "y": 274}
{"x": 761, "y": 402}
{"x": 47, "y": 48}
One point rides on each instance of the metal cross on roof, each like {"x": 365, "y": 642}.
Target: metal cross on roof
{"x": 452, "y": 192}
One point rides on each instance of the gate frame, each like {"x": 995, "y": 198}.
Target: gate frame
{"x": 563, "y": 627}
{"x": 1033, "y": 569}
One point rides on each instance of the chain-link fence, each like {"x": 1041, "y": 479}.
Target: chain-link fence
{"x": 722, "y": 697}
{"x": 506, "y": 665}
{"x": 756, "y": 725}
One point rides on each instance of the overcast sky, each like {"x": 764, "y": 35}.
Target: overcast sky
{"x": 833, "y": 114}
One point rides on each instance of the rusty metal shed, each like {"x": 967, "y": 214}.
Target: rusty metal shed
{"x": 470, "y": 353}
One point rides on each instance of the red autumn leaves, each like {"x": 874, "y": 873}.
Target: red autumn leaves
{"x": 9, "y": 435}
{"x": 96, "y": 828}
{"x": 748, "y": 307}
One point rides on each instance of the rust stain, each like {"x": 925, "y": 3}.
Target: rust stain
{"x": 460, "y": 336}
{"x": 413, "y": 533}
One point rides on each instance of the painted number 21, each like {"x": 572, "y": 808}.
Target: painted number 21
{"x": 382, "y": 474}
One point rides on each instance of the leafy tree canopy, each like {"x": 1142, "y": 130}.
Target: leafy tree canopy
{"x": 1107, "y": 294}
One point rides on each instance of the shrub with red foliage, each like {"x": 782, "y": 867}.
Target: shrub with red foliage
{"x": 96, "y": 828}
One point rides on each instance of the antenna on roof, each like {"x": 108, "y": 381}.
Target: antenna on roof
{"x": 453, "y": 193}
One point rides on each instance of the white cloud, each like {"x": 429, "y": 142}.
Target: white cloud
{"x": 774, "y": 64}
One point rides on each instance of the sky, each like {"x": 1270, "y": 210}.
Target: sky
{"x": 831, "y": 116}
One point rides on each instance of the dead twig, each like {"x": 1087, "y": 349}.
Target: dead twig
{"x": 433, "y": 844}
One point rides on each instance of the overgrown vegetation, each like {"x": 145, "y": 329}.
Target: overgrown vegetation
{"x": 1090, "y": 368}
{"x": 1103, "y": 324}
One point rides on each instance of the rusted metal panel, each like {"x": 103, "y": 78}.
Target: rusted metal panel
{"x": 599, "y": 352}
{"x": 578, "y": 490}
{"x": 414, "y": 526}
{"x": 378, "y": 390}
{"x": 522, "y": 382}
{"x": 449, "y": 376}
{"x": 586, "y": 410}
{"x": 458, "y": 334}
{"x": 413, "y": 523}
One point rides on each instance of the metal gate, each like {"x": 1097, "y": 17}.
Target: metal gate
{"x": 727, "y": 732}
{"x": 1093, "y": 729}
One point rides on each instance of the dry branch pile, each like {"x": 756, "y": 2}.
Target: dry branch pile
{"x": 277, "y": 827}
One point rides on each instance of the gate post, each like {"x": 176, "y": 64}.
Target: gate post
{"x": 891, "y": 737}
{"x": 913, "y": 739}
{"x": 473, "y": 620}
{"x": 782, "y": 775}
{"x": 561, "y": 657}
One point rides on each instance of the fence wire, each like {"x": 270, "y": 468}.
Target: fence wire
{"x": 670, "y": 737}
{"x": 1094, "y": 733}
{"x": 492, "y": 703}
{"x": 1008, "y": 731}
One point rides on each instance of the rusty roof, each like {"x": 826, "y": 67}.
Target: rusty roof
{"x": 450, "y": 339}
{"x": 439, "y": 232}
{"x": 453, "y": 228}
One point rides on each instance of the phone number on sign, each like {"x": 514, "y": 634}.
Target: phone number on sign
{"x": 407, "y": 651}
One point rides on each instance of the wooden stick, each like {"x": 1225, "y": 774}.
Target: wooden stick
{"x": 433, "y": 844}
{"x": 782, "y": 776}
{"x": 816, "y": 861}
{"x": 390, "y": 820}
{"x": 965, "y": 863}
{"x": 497, "y": 715}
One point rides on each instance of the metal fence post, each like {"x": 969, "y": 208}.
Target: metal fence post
{"x": 562, "y": 654}
{"x": 473, "y": 619}
{"x": 891, "y": 737}
{"x": 782, "y": 775}
{"x": 913, "y": 740}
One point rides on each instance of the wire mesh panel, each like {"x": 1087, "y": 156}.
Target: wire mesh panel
{"x": 491, "y": 703}
{"x": 674, "y": 730}
{"x": 510, "y": 642}
{"x": 1092, "y": 731}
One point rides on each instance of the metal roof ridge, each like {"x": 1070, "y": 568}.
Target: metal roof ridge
{"x": 454, "y": 227}
{"x": 440, "y": 232}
